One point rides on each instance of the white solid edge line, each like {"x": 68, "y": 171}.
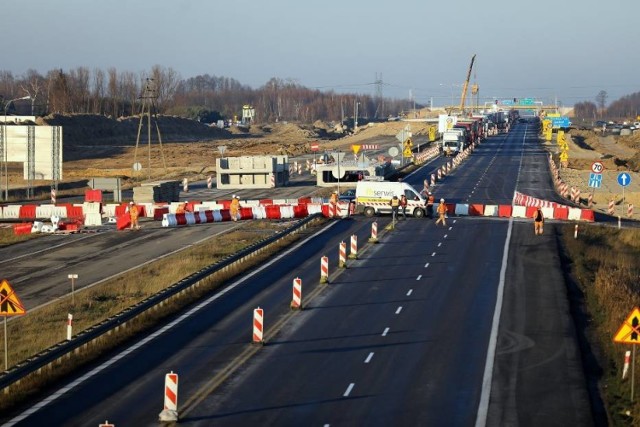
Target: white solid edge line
{"x": 35, "y": 408}
{"x": 483, "y": 406}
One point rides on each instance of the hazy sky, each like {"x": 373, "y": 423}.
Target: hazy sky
{"x": 571, "y": 49}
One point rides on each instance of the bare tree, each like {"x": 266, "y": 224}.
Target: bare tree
{"x": 601, "y": 101}
{"x": 33, "y": 84}
{"x": 98, "y": 91}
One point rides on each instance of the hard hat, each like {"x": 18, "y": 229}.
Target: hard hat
{"x": 131, "y": 202}
{"x": 441, "y": 200}
{"x": 233, "y": 197}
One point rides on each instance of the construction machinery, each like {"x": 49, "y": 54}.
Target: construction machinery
{"x": 466, "y": 85}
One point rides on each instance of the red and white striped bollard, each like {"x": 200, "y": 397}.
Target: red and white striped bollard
{"x": 374, "y": 233}
{"x": 342, "y": 260}
{"x": 611, "y": 208}
{"x": 296, "y": 301}
{"x": 209, "y": 182}
{"x": 185, "y": 185}
{"x": 69, "y": 326}
{"x": 353, "y": 253}
{"x": 630, "y": 210}
{"x": 258, "y": 325}
{"x": 575, "y": 232}
{"x": 324, "y": 269}
{"x": 433, "y": 179}
{"x": 170, "y": 411}
{"x": 627, "y": 359}
{"x": 590, "y": 200}
{"x": 53, "y": 196}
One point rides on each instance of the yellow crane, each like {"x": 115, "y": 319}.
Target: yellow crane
{"x": 466, "y": 85}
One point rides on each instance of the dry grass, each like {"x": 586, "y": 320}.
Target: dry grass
{"x": 8, "y": 237}
{"x": 606, "y": 263}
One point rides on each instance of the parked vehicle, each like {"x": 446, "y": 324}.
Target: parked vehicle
{"x": 374, "y": 197}
{"x": 453, "y": 142}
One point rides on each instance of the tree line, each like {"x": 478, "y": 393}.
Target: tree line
{"x": 204, "y": 97}
{"x": 625, "y": 108}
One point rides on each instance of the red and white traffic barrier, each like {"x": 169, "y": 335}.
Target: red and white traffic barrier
{"x": 374, "y": 232}
{"x": 342, "y": 260}
{"x": 433, "y": 179}
{"x": 258, "y": 325}
{"x": 630, "y": 210}
{"x": 611, "y": 208}
{"x": 425, "y": 187}
{"x": 53, "y": 195}
{"x": 69, "y": 326}
{"x": 577, "y": 197}
{"x": 324, "y": 269}
{"x": 170, "y": 411}
{"x": 353, "y": 253}
{"x": 296, "y": 300}
{"x": 439, "y": 174}
{"x": 209, "y": 182}
{"x": 272, "y": 178}
{"x": 625, "y": 368}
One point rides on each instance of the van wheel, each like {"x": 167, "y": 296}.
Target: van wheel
{"x": 369, "y": 211}
{"x": 418, "y": 213}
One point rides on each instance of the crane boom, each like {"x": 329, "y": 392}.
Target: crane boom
{"x": 466, "y": 85}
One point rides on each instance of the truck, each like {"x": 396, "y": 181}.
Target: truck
{"x": 374, "y": 197}
{"x": 453, "y": 142}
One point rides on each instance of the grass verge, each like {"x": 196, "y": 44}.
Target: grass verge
{"x": 604, "y": 262}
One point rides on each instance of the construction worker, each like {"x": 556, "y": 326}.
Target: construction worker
{"x": 133, "y": 216}
{"x": 430, "y": 201}
{"x": 234, "y": 207}
{"x": 403, "y": 206}
{"x": 333, "y": 202}
{"x": 395, "y": 204}
{"x": 538, "y": 222}
{"x": 181, "y": 208}
{"x": 442, "y": 211}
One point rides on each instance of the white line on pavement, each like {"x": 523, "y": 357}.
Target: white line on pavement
{"x": 346, "y": 393}
{"x": 399, "y": 310}
{"x": 419, "y": 277}
{"x": 385, "y": 332}
{"x": 369, "y": 357}
{"x": 410, "y": 292}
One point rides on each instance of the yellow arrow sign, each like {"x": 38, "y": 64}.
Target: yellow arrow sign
{"x": 629, "y": 332}
{"x": 10, "y": 304}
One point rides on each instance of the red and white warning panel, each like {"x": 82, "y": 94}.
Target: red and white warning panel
{"x": 258, "y": 325}
{"x": 170, "y": 411}
{"x": 296, "y": 301}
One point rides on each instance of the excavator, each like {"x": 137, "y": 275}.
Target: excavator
{"x": 465, "y": 87}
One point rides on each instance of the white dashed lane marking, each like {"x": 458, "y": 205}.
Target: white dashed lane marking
{"x": 348, "y": 391}
{"x": 385, "y": 332}
{"x": 369, "y": 357}
{"x": 419, "y": 277}
{"x": 410, "y": 292}
{"x": 399, "y": 310}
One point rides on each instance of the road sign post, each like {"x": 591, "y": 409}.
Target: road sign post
{"x": 624, "y": 179}
{"x": 10, "y": 305}
{"x": 629, "y": 333}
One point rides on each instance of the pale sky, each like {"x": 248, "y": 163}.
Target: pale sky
{"x": 569, "y": 49}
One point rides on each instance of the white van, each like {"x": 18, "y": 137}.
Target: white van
{"x": 374, "y": 197}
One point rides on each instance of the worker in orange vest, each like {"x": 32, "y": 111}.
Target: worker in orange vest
{"x": 442, "y": 211}
{"x": 234, "y": 207}
{"x": 430, "y": 201}
{"x": 538, "y": 222}
{"x": 133, "y": 216}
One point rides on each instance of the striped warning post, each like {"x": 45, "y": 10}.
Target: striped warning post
{"x": 577, "y": 198}
{"x": 630, "y": 210}
{"x": 69, "y": 326}
{"x": 627, "y": 359}
{"x": 53, "y": 195}
{"x": 296, "y": 301}
{"x": 433, "y": 179}
{"x": 374, "y": 233}
{"x": 291, "y": 170}
{"x": 258, "y": 325}
{"x": 209, "y": 182}
{"x": 575, "y": 232}
{"x": 353, "y": 253}
{"x": 324, "y": 269}
{"x": 185, "y": 185}
{"x": 611, "y": 208}
{"x": 590, "y": 200}
{"x": 272, "y": 178}
{"x": 573, "y": 194}
{"x": 170, "y": 411}
{"x": 425, "y": 187}
{"x": 342, "y": 260}
{"x": 439, "y": 174}
{"x": 106, "y": 423}
{"x": 299, "y": 168}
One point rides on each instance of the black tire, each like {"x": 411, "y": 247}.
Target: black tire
{"x": 418, "y": 213}
{"x": 369, "y": 211}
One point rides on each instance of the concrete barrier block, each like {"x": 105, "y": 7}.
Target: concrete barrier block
{"x": 462, "y": 209}
{"x": 519, "y": 212}
{"x": 575, "y": 214}
{"x": 491, "y": 210}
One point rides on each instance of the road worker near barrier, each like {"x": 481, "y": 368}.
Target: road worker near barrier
{"x": 442, "y": 212}
{"x": 234, "y": 207}
{"x": 538, "y": 222}
{"x": 333, "y": 201}
{"x": 181, "y": 208}
{"x": 395, "y": 204}
{"x": 430, "y": 201}
{"x": 133, "y": 216}
{"x": 403, "y": 206}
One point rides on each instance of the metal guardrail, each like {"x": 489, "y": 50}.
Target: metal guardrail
{"x": 54, "y": 353}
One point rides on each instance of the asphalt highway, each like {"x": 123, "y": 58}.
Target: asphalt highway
{"x": 464, "y": 324}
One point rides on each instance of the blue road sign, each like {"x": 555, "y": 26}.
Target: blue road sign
{"x": 560, "y": 122}
{"x": 595, "y": 180}
{"x": 624, "y": 179}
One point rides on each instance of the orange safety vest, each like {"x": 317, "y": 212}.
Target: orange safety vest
{"x": 442, "y": 208}
{"x": 133, "y": 212}
{"x": 431, "y": 200}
